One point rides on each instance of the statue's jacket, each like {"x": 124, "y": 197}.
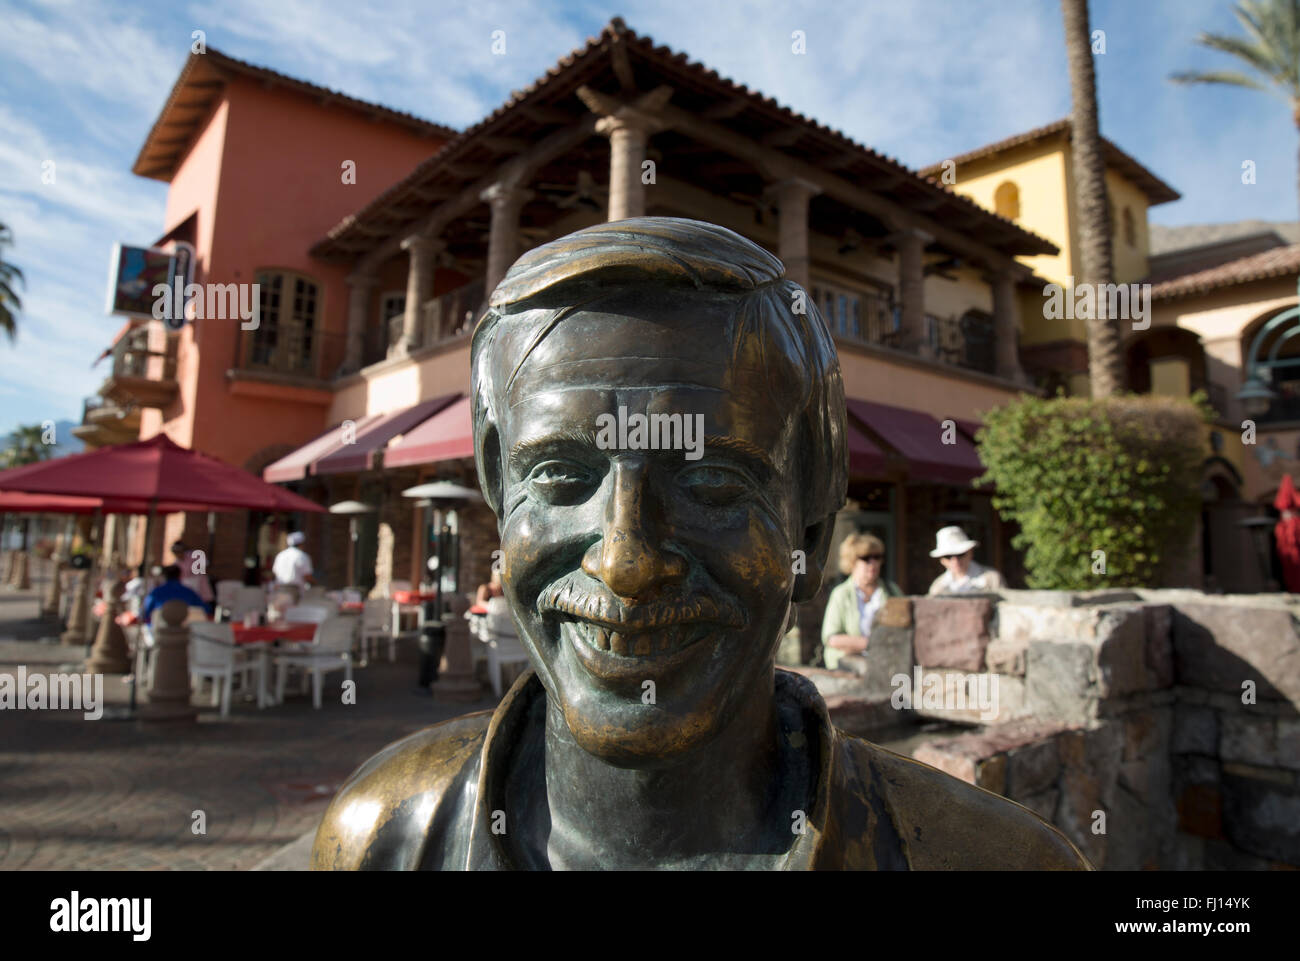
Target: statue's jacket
{"x": 427, "y": 802}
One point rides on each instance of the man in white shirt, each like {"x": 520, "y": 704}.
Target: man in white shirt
{"x": 963, "y": 575}
{"x": 292, "y": 565}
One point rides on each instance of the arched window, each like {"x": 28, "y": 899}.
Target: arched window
{"x": 286, "y": 334}
{"x": 1006, "y": 200}
{"x": 1130, "y": 228}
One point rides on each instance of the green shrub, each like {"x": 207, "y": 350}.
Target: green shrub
{"x": 1120, "y": 475}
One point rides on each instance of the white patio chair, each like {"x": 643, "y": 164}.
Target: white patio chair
{"x": 309, "y": 613}
{"x": 376, "y": 625}
{"x": 227, "y": 592}
{"x": 248, "y": 600}
{"x": 214, "y": 654}
{"x": 503, "y": 645}
{"x": 330, "y": 650}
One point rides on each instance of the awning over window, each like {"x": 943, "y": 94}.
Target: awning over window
{"x": 865, "y": 458}
{"x": 918, "y": 437}
{"x": 447, "y": 435}
{"x": 360, "y": 456}
{"x": 294, "y": 466}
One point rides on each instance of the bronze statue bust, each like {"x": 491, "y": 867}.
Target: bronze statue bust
{"x": 659, "y": 427}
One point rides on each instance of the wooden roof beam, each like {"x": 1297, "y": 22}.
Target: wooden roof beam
{"x": 784, "y": 137}
{"x": 778, "y": 166}
{"x": 725, "y": 109}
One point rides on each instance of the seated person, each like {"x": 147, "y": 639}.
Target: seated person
{"x": 852, "y": 606}
{"x": 489, "y": 590}
{"x": 171, "y": 589}
{"x": 963, "y": 574}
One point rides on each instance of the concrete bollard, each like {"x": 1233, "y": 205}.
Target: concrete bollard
{"x": 79, "y": 616}
{"x": 169, "y": 695}
{"x": 54, "y": 593}
{"x": 110, "y": 654}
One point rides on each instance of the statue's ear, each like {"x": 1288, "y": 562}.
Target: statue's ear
{"x": 816, "y": 545}
{"x": 487, "y": 459}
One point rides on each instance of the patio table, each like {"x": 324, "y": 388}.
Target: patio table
{"x": 263, "y": 638}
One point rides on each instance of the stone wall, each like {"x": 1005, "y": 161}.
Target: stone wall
{"x": 1156, "y": 729}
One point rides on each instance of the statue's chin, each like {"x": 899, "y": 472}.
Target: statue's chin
{"x": 645, "y": 742}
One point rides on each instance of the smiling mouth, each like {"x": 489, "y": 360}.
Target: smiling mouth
{"x": 665, "y": 640}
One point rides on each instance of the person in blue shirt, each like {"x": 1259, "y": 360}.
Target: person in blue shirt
{"x": 171, "y": 589}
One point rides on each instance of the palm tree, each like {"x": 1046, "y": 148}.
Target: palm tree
{"x": 1271, "y": 48}
{"x": 1105, "y": 364}
{"x": 26, "y": 445}
{"x": 9, "y": 302}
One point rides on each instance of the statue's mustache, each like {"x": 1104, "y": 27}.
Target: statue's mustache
{"x": 582, "y": 596}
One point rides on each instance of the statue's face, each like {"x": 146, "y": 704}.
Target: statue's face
{"x": 651, "y": 587}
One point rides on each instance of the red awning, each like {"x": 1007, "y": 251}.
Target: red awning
{"x": 865, "y": 458}
{"x": 919, "y": 438}
{"x": 444, "y": 436}
{"x": 353, "y": 458}
{"x": 295, "y": 466}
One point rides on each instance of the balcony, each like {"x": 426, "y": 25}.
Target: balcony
{"x": 142, "y": 376}
{"x": 291, "y": 353}
{"x": 443, "y": 317}
{"x": 104, "y": 423}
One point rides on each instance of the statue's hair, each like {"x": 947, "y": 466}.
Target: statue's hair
{"x": 576, "y": 272}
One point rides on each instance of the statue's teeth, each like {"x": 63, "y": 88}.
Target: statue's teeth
{"x": 642, "y": 645}
{"x": 617, "y": 643}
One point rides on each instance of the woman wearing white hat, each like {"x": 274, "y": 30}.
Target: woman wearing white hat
{"x": 963, "y": 575}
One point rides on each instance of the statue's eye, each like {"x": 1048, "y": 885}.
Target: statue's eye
{"x": 714, "y": 485}
{"x": 561, "y": 482}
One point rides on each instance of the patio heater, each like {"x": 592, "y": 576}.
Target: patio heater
{"x": 442, "y": 496}
{"x": 352, "y": 510}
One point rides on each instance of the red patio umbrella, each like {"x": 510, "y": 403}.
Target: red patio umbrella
{"x": 157, "y": 472}
{"x": 14, "y": 502}
{"x": 1287, "y": 533}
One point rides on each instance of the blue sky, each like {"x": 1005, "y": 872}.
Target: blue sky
{"x": 82, "y": 82}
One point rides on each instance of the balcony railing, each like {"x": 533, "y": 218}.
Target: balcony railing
{"x": 444, "y": 316}
{"x": 968, "y": 341}
{"x": 291, "y": 350}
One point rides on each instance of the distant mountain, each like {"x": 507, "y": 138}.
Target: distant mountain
{"x": 65, "y": 442}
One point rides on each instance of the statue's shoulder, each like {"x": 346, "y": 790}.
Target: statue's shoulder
{"x": 944, "y": 823}
{"x": 382, "y": 816}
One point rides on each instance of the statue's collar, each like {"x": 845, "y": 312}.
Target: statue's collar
{"x": 804, "y": 720}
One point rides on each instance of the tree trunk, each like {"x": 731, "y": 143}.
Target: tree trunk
{"x": 1105, "y": 359}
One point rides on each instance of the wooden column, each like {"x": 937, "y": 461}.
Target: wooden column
{"x": 791, "y": 197}
{"x": 505, "y": 200}
{"x": 419, "y": 284}
{"x": 911, "y": 243}
{"x": 1006, "y": 323}
{"x": 360, "y": 291}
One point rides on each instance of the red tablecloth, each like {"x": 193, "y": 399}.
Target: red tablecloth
{"x": 414, "y": 597}
{"x": 286, "y": 631}
{"x": 478, "y": 609}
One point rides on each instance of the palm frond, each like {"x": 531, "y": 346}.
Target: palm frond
{"x": 1229, "y": 77}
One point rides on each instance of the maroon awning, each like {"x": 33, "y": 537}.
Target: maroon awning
{"x": 919, "y": 438}
{"x": 296, "y": 464}
{"x": 360, "y": 456}
{"x": 866, "y": 459}
{"x": 446, "y": 435}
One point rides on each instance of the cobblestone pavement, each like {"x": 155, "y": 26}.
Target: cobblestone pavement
{"x": 105, "y": 794}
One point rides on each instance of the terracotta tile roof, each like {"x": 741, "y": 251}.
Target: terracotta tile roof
{"x": 1165, "y": 240}
{"x": 1157, "y": 191}
{"x": 1278, "y": 262}
{"x": 585, "y": 63}
{"x": 200, "y": 83}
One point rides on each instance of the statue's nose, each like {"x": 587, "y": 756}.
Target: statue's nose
{"x": 628, "y": 557}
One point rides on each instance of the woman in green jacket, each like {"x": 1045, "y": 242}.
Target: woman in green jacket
{"x": 853, "y": 605}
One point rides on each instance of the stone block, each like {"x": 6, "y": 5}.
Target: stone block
{"x": 1159, "y": 632}
{"x": 1060, "y": 681}
{"x": 1196, "y": 730}
{"x": 1036, "y": 598}
{"x": 1262, "y": 818}
{"x": 1219, "y": 645}
{"x": 966, "y": 698}
{"x": 1247, "y": 739}
{"x": 1200, "y": 810}
{"x": 1005, "y": 656}
{"x": 991, "y": 774}
{"x": 962, "y": 755}
{"x": 888, "y": 654}
{"x": 956, "y": 763}
{"x": 952, "y": 631}
{"x": 897, "y": 612}
{"x": 1032, "y": 769}
{"x": 1288, "y": 743}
